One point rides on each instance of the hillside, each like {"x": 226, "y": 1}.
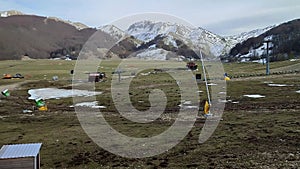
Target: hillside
{"x": 39, "y": 37}
{"x": 285, "y": 44}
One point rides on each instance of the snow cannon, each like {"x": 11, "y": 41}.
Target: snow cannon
{"x": 40, "y": 103}
{"x": 5, "y": 93}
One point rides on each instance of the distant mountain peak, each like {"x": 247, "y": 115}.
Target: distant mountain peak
{"x": 77, "y": 25}
{"x": 10, "y": 13}
{"x": 113, "y": 30}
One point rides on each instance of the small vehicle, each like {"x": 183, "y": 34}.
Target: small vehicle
{"x": 7, "y": 76}
{"x": 18, "y": 76}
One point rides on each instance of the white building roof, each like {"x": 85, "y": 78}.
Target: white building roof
{"x": 20, "y": 150}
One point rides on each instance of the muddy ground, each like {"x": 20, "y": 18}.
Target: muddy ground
{"x": 253, "y": 133}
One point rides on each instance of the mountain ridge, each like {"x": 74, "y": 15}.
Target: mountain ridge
{"x": 171, "y": 37}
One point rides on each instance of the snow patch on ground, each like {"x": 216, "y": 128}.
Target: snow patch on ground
{"x": 54, "y": 93}
{"x": 254, "y": 95}
{"x": 298, "y": 91}
{"x": 278, "y": 85}
{"x": 187, "y": 105}
{"x": 93, "y": 104}
{"x": 212, "y": 84}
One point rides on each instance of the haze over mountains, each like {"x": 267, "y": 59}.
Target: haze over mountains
{"x": 50, "y": 37}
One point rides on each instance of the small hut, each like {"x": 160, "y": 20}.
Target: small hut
{"x": 96, "y": 76}
{"x": 192, "y": 65}
{"x": 19, "y": 156}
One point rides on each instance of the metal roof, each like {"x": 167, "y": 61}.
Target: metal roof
{"x": 20, "y": 150}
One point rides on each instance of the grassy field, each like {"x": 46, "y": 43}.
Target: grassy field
{"x": 254, "y": 132}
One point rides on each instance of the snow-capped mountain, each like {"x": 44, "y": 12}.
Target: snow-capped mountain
{"x": 218, "y": 45}
{"x": 282, "y": 40}
{"x": 148, "y": 30}
{"x": 113, "y": 30}
{"x": 171, "y": 33}
{"x": 246, "y": 35}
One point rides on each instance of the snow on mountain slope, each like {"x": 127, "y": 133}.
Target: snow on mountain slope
{"x": 217, "y": 45}
{"x": 234, "y": 39}
{"x": 148, "y": 30}
{"x": 10, "y": 13}
{"x": 77, "y": 25}
{"x": 246, "y": 35}
{"x": 153, "y": 54}
{"x": 113, "y": 30}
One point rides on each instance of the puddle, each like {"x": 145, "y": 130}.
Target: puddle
{"x": 278, "y": 85}
{"x": 93, "y": 104}
{"x": 54, "y": 93}
{"x": 254, "y": 95}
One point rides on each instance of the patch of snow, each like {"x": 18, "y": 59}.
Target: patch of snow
{"x": 170, "y": 41}
{"x": 93, "y": 104}
{"x": 187, "y": 102}
{"x": 223, "y": 101}
{"x": 298, "y": 91}
{"x": 278, "y": 85}
{"x": 153, "y": 54}
{"x": 4, "y": 14}
{"x": 254, "y": 95}
{"x": 127, "y": 77}
{"x": 212, "y": 84}
{"x": 113, "y": 31}
{"x": 54, "y": 93}
{"x": 145, "y": 74}
{"x": 188, "y": 107}
{"x": 261, "y": 61}
{"x": 152, "y": 46}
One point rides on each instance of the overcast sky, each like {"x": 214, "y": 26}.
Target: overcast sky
{"x": 224, "y": 17}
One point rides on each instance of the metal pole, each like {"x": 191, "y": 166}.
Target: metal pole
{"x": 268, "y": 59}
{"x": 205, "y": 79}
